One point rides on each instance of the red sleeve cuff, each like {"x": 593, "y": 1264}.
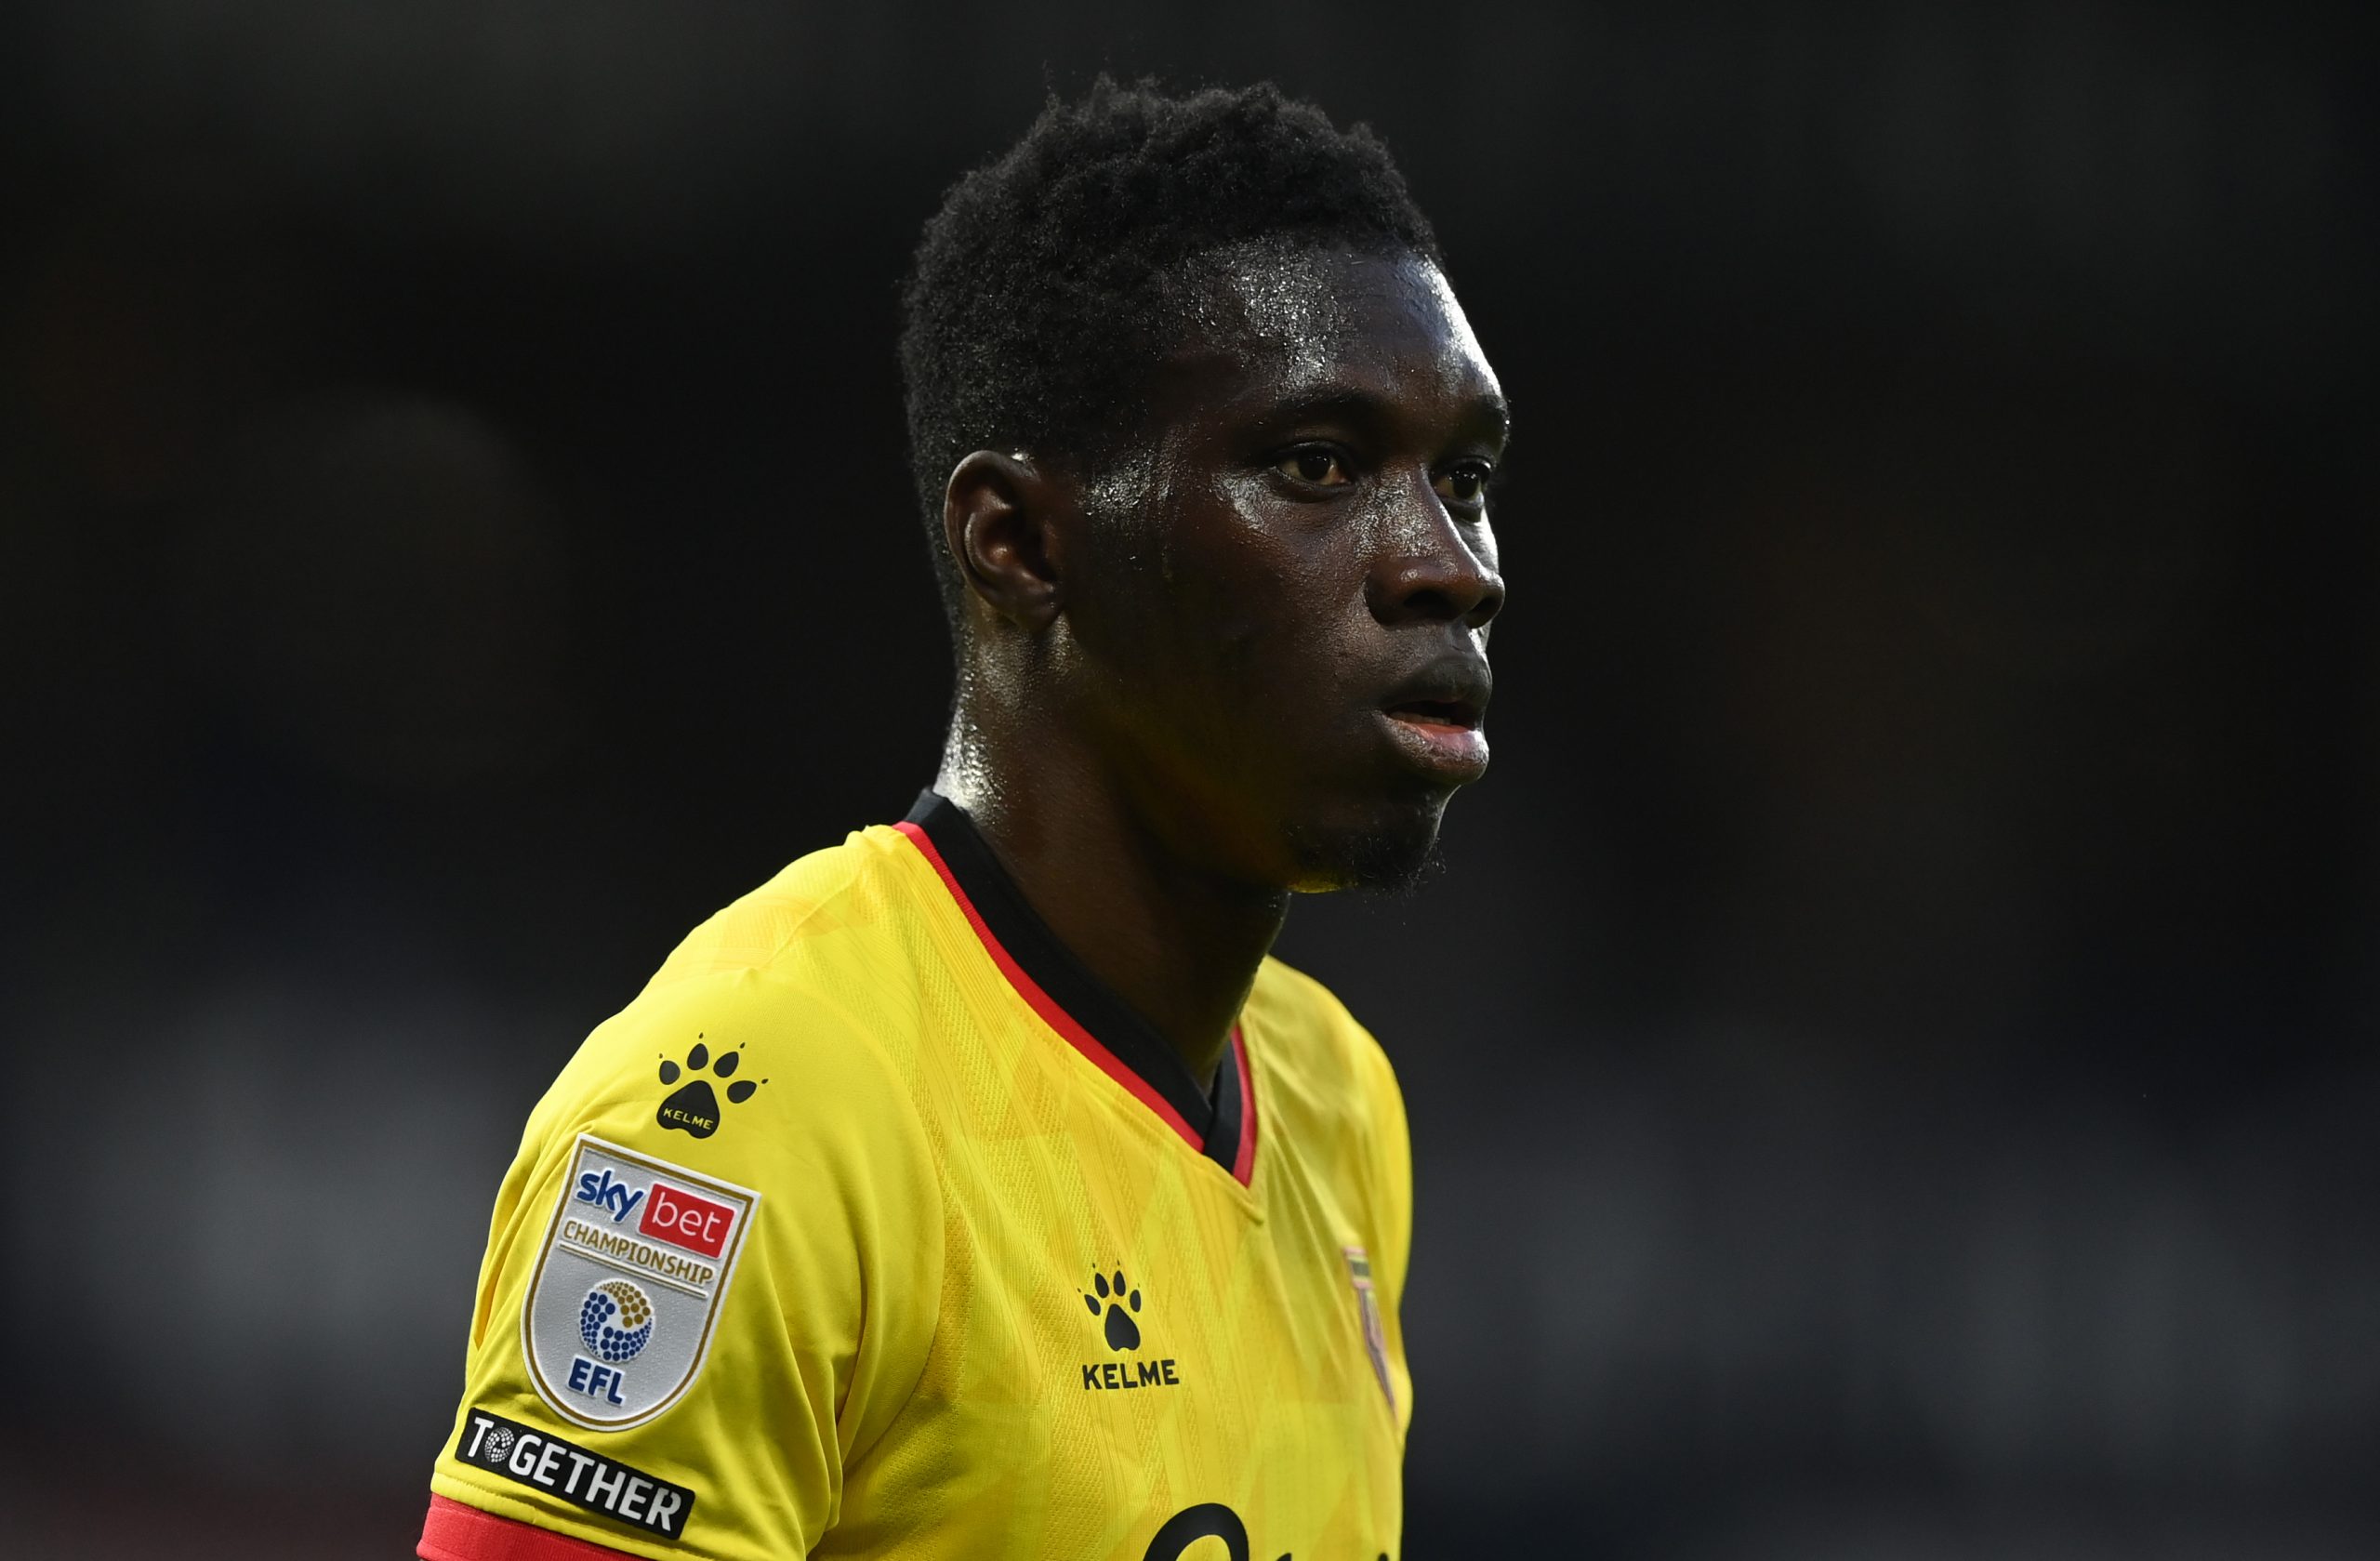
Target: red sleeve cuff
{"x": 455, "y": 1532}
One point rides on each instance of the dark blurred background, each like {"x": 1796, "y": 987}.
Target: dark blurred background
{"x": 1891, "y": 1064}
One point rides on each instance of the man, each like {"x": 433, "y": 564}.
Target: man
{"x": 979, "y": 1187}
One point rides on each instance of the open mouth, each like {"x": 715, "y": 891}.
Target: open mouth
{"x": 1450, "y": 715}
{"x": 1441, "y": 736}
{"x": 1432, "y": 718}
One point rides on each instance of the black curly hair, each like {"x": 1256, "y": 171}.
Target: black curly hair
{"x": 1042, "y": 294}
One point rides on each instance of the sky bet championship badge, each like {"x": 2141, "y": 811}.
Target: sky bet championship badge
{"x": 627, "y": 1293}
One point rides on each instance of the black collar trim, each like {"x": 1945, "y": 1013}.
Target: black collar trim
{"x": 1085, "y": 1003}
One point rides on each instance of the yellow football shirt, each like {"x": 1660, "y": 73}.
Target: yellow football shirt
{"x": 876, "y": 1225}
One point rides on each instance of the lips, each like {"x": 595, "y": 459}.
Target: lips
{"x": 1433, "y": 718}
{"x": 1458, "y": 714}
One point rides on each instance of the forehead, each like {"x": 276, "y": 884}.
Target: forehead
{"x": 1269, "y": 324}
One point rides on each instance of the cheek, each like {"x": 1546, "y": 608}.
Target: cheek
{"x": 1270, "y": 611}
{"x": 1209, "y": 587}
{"x": 1230, "y": 624}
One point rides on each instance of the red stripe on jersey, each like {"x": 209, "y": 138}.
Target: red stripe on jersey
{"x": 1243, "y": 1160}
{"x": 455, "y": 1532}
{"x": 1052, "y": 1014}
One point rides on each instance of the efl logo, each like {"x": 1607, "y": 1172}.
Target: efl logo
{"x": 682, "y": 1219}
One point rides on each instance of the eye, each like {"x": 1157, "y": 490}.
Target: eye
{"x": 1464, "y": 484}
{"x": 1315, "y": 465}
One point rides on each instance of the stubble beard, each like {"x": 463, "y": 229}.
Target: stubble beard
{"x": 1373, "y": 865}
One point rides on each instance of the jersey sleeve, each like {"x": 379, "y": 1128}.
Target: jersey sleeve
{"x": 710, "y": 1283}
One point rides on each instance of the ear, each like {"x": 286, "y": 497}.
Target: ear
{"x": 997, "y": 520}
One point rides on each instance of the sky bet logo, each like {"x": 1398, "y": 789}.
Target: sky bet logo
{"x": 673, "y": 1214}
{"x": 612, "y": 1196}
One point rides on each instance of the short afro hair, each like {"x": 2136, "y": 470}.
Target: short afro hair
{"x": 1040, "y": 299}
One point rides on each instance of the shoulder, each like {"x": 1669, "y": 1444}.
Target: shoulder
{"x": 1317, "y": 1054}
{"x": 831, "y": 914}
{"x": 776, "y": 1030}
{"x": 736, "y": 1161}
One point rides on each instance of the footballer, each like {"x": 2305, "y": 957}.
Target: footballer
{"x": 981, "y": 1186}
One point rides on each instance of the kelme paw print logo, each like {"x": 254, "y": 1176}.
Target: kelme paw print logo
{"x": 693, "y": 1107}
{"x": 1123, "y": 1333}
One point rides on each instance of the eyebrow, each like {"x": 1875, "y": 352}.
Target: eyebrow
{"x": 1362, "y": 405}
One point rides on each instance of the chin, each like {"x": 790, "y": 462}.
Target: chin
{"x": 1393, "y": 850}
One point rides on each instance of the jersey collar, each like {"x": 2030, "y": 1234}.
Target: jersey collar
{"x": 1076, "y": 1003}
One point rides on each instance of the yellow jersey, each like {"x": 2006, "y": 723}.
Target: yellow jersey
{"x": 876, "y": 1225}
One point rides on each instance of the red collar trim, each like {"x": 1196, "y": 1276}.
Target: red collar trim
{"x": 1243, "y": 1162}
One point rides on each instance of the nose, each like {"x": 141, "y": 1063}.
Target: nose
{"x": 1430, "y": 569}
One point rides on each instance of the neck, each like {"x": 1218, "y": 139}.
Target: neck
{"x": 1178, "y": 942}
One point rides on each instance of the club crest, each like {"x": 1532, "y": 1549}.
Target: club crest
{"x": 636, "y": 1261}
